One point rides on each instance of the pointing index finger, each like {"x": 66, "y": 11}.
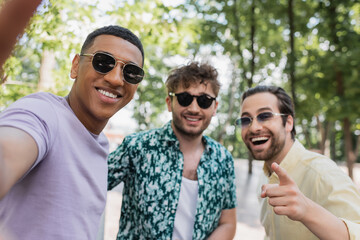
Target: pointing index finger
{"x": 284, "y": 178}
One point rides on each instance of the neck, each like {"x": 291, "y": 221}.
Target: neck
{"x": 192, "y": 148}
{"x": 188, "y": 143}
{"x": 278, "y": 158}
{"x": 89, "y": 123}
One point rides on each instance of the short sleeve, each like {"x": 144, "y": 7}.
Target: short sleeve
{"x": 35, "y": 117}
{"x": 353, "y": 228}
{"x": 118, "y": 163}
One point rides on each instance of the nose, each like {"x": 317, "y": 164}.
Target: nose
{"x": 194, "y": 107}
{"x": 115, "y": 77}
{"x": 255, "y": 125}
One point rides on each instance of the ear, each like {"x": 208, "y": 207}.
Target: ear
{"x": 168, "y": 103}
{"x": 289, "y": 123}
{"x": 75, "y": 66}
{"x": 216, "y": 106}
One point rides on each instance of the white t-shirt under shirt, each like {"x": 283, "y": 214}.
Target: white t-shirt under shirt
{"x": 63, "y": 195}
{"x": 186, "y": 210}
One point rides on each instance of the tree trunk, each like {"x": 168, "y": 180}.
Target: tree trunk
{"x": 249, "y": 81}
{"x": 252, "y": 66}
{"x": 292, "y": 58}
{"x": 307, "y": 135}
{"x": 46, "y": 80}
{"x": 238, "y": 46}
{"x": 350, "y": 156}
{"x": 340, "y": 90}
{"x": 333, "y": 142}
{"x": 250, "y": 158}
{"x": 252, "y": 40}
{"x": 232, "y": 91}
{"x": 323, "y": 130}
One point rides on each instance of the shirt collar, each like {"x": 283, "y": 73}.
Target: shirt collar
{"x": 289, "y": 161}
{"x": 167, "y": 134}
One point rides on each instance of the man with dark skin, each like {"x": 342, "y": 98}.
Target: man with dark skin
{"x": 53, "y": 168}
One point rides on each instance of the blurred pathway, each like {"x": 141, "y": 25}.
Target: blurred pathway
{"x": 248, "y": 211}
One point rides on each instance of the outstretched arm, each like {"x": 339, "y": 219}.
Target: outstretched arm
{"x": 14, "y": 16}
{"x": 18, "y": 152}
{"x": 227, "y": 225}
{"x": 288, "y": 200}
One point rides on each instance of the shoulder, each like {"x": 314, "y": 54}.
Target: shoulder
{"x": 216, "y": 146}
{"x": 304, "y": 162}
{"x": 142, "y": 137}
{"x": 318, "y": 163}
{"x": 37, "y": 107}
{"x": 38, "y": 103}
{"x": 216, "y": 149}
{"x": 43, "y": 97}
{"x": 322, "y": 171}
{"x": 139, "y": 143}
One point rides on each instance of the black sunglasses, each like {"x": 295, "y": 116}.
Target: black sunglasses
{"x": 261, "y": 118}
{"x": 185, "y": 99}
{"x": 104, "y": 62}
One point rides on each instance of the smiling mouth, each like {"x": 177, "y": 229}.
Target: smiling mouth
{"x": 108, "y": 94}
{"x": 259, "y": 140}
{"x": 192, "y": 118}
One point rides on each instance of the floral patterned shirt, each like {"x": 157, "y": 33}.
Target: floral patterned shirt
{"x": 150, "y": 164}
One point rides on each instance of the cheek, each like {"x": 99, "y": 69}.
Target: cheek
{"x": 130, "y": 90}
{"x": 243, "y": 134}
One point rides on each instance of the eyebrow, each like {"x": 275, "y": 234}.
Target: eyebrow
{"x": 258, "y": 111}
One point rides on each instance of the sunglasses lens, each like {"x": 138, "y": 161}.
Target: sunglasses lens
{"x": 204, "y": 101}
{"x": 184, "y": 99}
{"x": 243, "y": 122}
{"x": 265, "y": 116}
{"x": 103, "y": 63}
{"x": 133, "y": 74}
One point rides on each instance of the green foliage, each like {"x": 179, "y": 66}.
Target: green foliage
{"x": 53, "y": 28}
{"x": 327, "y": 42}
{"x": 165, "y": 32}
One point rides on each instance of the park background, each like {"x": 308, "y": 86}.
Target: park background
{"x": 311, "y": 48}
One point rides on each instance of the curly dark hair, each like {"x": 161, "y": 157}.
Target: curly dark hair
{"x": 194, "y": 72}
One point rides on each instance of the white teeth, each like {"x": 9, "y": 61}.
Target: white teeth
{"x": 192, "y": 119}
{"x": 108, "y": 94}
{"x": 259, "y": 139}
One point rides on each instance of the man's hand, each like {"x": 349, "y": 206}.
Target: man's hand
{"x": 14, "y": 16}
{"x": 285, "y": 197}
{"x": 288, "y": 200}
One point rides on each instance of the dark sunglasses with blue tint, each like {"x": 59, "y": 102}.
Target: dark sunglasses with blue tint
{"x": 103, "y": 63}
{"x": 260, "y": 118}
{"x": 185, "y": 99}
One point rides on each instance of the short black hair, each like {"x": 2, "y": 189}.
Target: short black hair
{"x": 116, "y": 31}
{"x": 286, "y": 105}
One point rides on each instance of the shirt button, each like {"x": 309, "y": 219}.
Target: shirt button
{"x": 172, "y": 211}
